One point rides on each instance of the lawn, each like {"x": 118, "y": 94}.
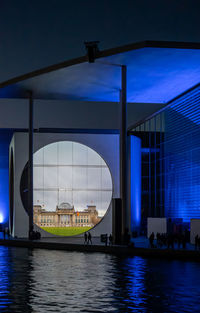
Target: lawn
{"x": 66, "y": 231}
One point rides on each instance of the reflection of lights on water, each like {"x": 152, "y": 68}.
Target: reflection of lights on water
{"x": 1, "y": 218}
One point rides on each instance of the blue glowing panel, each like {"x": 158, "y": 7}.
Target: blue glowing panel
{"x": 135, "y": 184}
{"x": 157, "y": 75}
{"x": 5, "y": 137}
{"x": 154, "y": 75}
{"x": 182, "y": 157}
{"x": 188, "y": 107}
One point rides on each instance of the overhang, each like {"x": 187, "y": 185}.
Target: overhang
{"x": 157, "y": 72}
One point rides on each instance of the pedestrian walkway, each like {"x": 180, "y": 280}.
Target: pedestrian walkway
{"x": 76, "y": 244}
{"x": 143, "y": 242}
{"x": 139, "y": 242}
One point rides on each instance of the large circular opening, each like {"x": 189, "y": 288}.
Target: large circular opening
{"x": 72, "y": 188}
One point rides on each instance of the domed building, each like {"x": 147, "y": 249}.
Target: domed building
{"x": 65, "y": 206}
{"x": 66, "y": 216}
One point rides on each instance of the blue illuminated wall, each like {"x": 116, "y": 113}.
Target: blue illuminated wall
{"x": 171, "y": 174}
{"x": 5, "y": 137}
{"x": 135, "y": 182}
{"x": 182, "y": 157}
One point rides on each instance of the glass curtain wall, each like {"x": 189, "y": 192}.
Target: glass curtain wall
{"x": 171, "y": 159}
{"x": 69, "y": 172}
{"x": 151, "y": 133}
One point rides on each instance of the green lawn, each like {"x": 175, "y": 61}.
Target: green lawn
{"x": 66, "y": 231}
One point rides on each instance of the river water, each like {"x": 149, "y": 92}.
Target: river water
{"x": 43, "y": 281}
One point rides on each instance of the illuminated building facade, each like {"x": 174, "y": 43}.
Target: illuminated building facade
{"x": 160, "y": 75}
{"x": 66, "y": 216}
{"x": 170, "y": 157}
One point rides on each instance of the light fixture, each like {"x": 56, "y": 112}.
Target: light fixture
{"x": 92, "y": 50}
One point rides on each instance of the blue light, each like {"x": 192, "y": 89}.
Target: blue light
{"x": 5, "y": 279}
{"x": 182, "y": 157}
{"x": 5, "y": 137}
{"x": 1, "y": 218}
{"x": 154, "y": 75}
{"x": 157, "y": 75}
{"x": 135, "y": 186}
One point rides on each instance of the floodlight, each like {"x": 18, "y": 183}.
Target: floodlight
{"x": 92, "y": 50}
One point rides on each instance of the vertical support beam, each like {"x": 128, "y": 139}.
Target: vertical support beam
{"x": 150, "y": 213}
{"x": 123, "y": 146}
{"x": 135, "y": 183}
{"x": 156, "y": 213}
{"x": 30, "y": 165}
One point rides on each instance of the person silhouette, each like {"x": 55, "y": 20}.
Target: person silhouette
{"x": 151, "y": 239}
{"x": 196, "y": 241}
{"x": 89, "y": 238}
{"x": 110, "y": 240}
{"x": 86, "y": 238}
{"x": 106, "y": 240}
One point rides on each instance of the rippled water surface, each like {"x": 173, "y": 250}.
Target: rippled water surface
{"x": 43, "y": 281}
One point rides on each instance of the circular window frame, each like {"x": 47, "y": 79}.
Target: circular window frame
{"x": 24, "y": 183}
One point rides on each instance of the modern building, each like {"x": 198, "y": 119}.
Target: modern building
{"x": 66, "y": 216}
{"x": 137, "y": 106}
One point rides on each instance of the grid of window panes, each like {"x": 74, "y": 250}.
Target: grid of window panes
{"x": 73, "y": 173}
{"x": 182, "y": 157}
{"x": 151, "y": 133}
{"x": 171, "y": 159}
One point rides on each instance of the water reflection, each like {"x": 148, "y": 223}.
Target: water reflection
{"x": 4, "y": 277}
{"x": 15, "y": 267}
{"x": 48, "y": 281}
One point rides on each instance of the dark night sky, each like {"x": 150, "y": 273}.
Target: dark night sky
{"x": 36, "y": 33}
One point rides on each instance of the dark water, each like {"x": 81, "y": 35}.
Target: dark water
{"x": 57, "y": 281}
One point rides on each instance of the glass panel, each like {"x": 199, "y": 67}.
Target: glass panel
{"x": 79, "y": 177}
{"x": 38, "y": 197}
{"x": 65, "y": 196}
{"x": 94, "y": 178}
{"x": 50, "y": 177}
{"x": 51, "y": 154}
{"x": 38, "y": 157}
{"x": 80, "y": 153}
{"x": 105, "y": 201}
{"x": 38, "y": 177}
{"x": 94, "y": 198}
{"x": 65, "y": 153}
{"x": 65, "y": 177}
{"x": 80, "y": 200}
{"x": 106, "y": 179}
{"x": 93, "y": 158}
{"x": 50, "y": 200}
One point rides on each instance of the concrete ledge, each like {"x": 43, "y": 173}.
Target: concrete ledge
{"x": 116, "y": 250}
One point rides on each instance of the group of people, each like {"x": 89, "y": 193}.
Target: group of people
{"x": 106, "y": 239}
{"x": 168, "y": 240}
{"x": 88, "y": 238}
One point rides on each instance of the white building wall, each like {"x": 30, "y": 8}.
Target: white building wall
{"x": 107, "y": 145}
{"x": 156, "y": 225}
{"x": 71, "y": 114}
{"x": 194, "y": 229}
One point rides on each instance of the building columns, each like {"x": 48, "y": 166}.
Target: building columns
{"x": 30, "y": 165}
{"x": 123, "y": 145}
